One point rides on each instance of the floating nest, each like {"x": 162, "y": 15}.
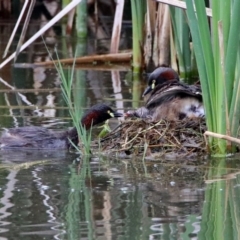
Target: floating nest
{"x": 163, "y": 138}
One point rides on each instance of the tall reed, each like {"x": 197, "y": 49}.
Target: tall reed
{"x": 81, "y": 19}
{"x": 74, "y": 109}
{"x": 181, "y": 42}
{"x": 216, "y": 46}
{"x": 138, "y": 17}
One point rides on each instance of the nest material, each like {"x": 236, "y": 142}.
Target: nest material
{"x": 140, "y": 137}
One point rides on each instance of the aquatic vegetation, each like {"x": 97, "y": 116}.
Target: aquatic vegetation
{"x": 138, "y": 16}
{"x": 74, "y": 110}
{"x": 216, "y": 48}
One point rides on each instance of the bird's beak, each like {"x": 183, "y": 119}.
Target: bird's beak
{"x": 147, "y": 90}
{"x": 116, "y": 114}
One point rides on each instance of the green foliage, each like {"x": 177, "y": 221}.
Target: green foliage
{"x": 105, "y": 130}
{"x": 181, "y": 32}
{"x": 138, "y": 17}
{"x": 216, "y": 47}
{"x": 81, "y": 19}
{"x": 74, "y": 110}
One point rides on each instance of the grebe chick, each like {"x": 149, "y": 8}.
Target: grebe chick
{"x": 158, "y": 76}
{"x": 43, "y": 138}
{"x": 172, "y": 101}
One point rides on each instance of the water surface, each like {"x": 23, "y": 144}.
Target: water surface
{"x": 62, "y": 195}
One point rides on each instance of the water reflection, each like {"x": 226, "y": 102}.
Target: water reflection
{"x": 221, "y": 212}
{"x": 54, "y": 198}
{"x": 90, "y": 88}
{"x": 67, "y": 197}
{"x": 6, "y": 204}
{"x": 60, "y": 195}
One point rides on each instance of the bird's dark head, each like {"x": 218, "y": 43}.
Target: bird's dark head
{"x": 160, "y": 76}
{"x": 98, "y": 114}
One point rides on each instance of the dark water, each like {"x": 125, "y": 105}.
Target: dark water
{"x": 62, "y": 195}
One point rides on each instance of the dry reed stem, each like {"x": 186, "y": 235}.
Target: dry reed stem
{"x": 221, "y": 136}
{"x": 68, "y": 8}
{"x": 93, "y": 59}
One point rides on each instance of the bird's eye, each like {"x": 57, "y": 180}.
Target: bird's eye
{"x": 153, "y": 84}
{"x": 110, "y": 113}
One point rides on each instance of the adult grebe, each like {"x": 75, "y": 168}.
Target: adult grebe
{"x": 158, "y": 76}
{"x": 171, "y": 100}
{"x": 43, "y": 138}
